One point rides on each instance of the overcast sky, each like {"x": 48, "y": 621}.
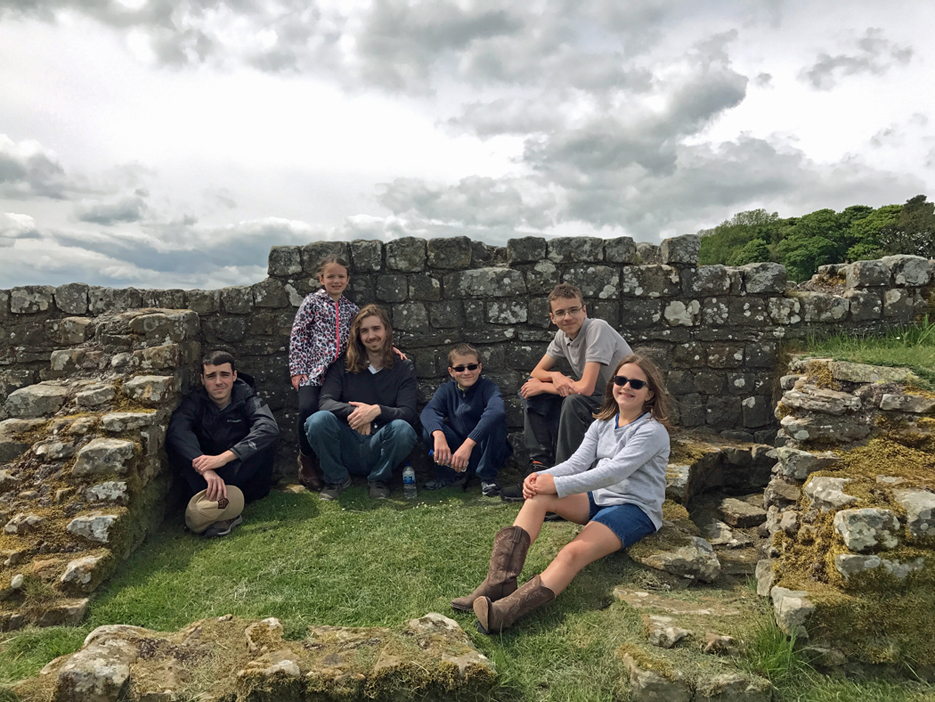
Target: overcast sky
{"x": 158, "y": 143}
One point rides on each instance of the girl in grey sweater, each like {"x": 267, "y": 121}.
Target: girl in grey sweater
{"x": 619, "y": 499}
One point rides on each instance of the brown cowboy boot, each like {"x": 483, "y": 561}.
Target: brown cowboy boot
{"x": 493, "y": 617}
{"x": 506, "y": 562}
{"x": 309, "y": 474}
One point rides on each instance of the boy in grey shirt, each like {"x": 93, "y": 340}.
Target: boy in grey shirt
{"x": 558, "y": 410}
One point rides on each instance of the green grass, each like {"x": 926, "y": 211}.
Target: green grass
{"x": 357, "y": 563}
{"x": 912, "y": 347}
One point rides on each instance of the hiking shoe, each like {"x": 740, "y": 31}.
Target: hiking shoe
{"x": 448, "y": 481}
{"x": 379, "y": 490}
{"x": 514, "y": 493}
{"x": 490, "y": 489}
{"x": 222, "y": 528}
{"x": 309, "y": 474}
{"x": 333, "y": 490}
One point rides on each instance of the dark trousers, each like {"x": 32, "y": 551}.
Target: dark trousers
{"x": 253, "y": 476}
{"x": 554, "y": 426}
{"x": 308, "y": 405}
{"x": 486, "y": 458}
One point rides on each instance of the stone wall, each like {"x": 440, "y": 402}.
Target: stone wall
{"x": 715, "y": 329}
{"x": 82, "y": 465}
{"x": 851, "y": 513}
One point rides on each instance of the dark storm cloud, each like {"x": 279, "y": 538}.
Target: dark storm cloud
{"x": 874, "y": 54}
{"x": 130, "y": 208}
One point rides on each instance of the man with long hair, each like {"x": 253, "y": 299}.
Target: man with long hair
{"x": 369, "y": 408}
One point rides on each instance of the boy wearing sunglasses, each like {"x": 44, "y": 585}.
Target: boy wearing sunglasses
{"x": 464, "y": 424}
{"x": 557, "y": 409}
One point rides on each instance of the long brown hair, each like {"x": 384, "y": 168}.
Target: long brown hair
{"x": 356, "y": 352}
{"x": 658, "y": 405}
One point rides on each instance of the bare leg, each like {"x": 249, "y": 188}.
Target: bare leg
{"x": 574, "y": 508}
{"x": 593, "y": 542}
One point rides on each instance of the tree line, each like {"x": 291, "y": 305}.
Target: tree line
{"x": 802, "y": 244}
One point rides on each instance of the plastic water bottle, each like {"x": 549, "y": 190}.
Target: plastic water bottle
{"x": 409, "y": 481}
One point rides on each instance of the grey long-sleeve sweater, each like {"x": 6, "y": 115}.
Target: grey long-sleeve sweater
{"x": 630, "y": 466}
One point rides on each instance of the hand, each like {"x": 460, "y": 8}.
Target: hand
{"x": 529, "y": 486}
{"x": 205, "y": 463}
{"x": 364, "y": 430}
{"x": 297, "y": 380}
{"x": 362, "y": 414}
{"x": 532, "y": 387}
{"x": 442, "y": 451}
{"x": 460, "y": 458}
{"x": 538, "y": 484}
{"x": 564, "y": 384}
{"x": 400, "y": 354}
{"x": 216, "y": 487}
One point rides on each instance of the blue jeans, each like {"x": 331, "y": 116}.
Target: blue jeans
{"x": 486, "y": 459}
{"x": 343, "y": 451}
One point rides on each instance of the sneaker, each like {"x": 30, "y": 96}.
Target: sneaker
{"x": 379, "y": 490}
{"x": 489, "y": 489}
{"x": 447, "y": 481}
{"x": 514, "y": 493}
{"x": 222, "y": 528}
{"x": 333, "y": 490}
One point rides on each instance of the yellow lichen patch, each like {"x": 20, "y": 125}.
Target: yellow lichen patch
{"x": 886, "y": 457}
{"x": 819, "y": 374}
{"x": 648, "y": 661}
{"x": 673, "y": 511}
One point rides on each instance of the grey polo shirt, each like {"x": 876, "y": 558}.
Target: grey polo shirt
{"x": 596, "y": 341}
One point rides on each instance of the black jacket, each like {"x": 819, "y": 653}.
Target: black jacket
{"x": 394, "y": 389}
{"x": 245, "y": 426}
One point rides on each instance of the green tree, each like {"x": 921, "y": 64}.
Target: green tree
{"x": 914, "y": 230}
{"x": 728, "y": 239}
{"x": 865, "y": 232}
{"x": 813, "y": 240}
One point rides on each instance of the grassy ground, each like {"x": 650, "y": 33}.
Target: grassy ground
{"x": 911, "y": 347}
{"x": 358, "y": 563}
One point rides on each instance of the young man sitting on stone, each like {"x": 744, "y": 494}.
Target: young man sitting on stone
{"x": 221, "y": 439}
{"x": 558, "y": 410}
{"x": 369, "y": 406}
{"x": 465, "y": 425}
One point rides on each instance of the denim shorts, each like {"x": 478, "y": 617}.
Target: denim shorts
{"x": 628, "y": 522}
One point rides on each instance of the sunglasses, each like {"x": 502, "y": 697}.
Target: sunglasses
{"x": 635, "y": 384}
{"x": 469, "y": 366}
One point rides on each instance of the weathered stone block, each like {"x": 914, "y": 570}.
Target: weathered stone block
{"x": 757, "y": 412}
{"x": 764, "y": 278}
{"x": 899, "y": 303}
{"x": 920, "y": 512}
{"x": 821, "y": 307}
{"x": 411, "y": 316}
{"x": 313, "y": 253}
{"x": 784, "y": 310}
{"x": 24, "y": 523}
{"x": 237, "y": 299}
{"x": 150, "y": 389}
{"x": 485, "y": 282}
{"x": 270, "y": 293}
{"x": 406, "y": 254}
{"x": 678, "y": 313}
{"x": 527, "y": 249}
{"x": 708, "y": 280}
{"x": 542, "y": 277}
{"x": 741, "y": 514}
{"x": 452, "y": 252}
{"x": 678, "y": 553}
{"x": 96, "y": 395}
{"x": 366, "y": 256}
{"x": 599, "y": 282}
{"x": 650, "y": 281}
{"x": 121, "y": 422}
{"x": 910, "y": 271}
{"x": 284, "y": 261}
{"x": 647, "y": 685}
{"x": 575, "y": 249}
{"x": 724, "y": 356}
{"x": 75, "y": 330}
{"x": 792, "y": 609}
{"x": 102, "y": 300}
{"x": 864, "y": 304}
{"x": 447, "y": 314}
{"x": 66, "y": 614}
{"x": 868, "y": 274}
{"x": 83, "y": 574}
{"x": 915, "y": 404}
{"x": 72, "y": 298}
{"x": 203, "y": 301}
{"x": 115, "y": 491}
{"x": 827, "y": 494}
{"x": 95, "y": 526}
{"x": 506, "y": 312}
{"x": 864, "y": 373}
{"x": 681, "y": 250}
{"x": 798, "y": 465}
{"x": 647, "y": 254}
{"x": 104, "y": 457}
{"x": 392, "y": 288}
{"x": 31, "y": 299}
{"x": 620, "y": 250}
{"x": 36, "y": 400}
{"x": 867, "y": 529}
{"x": 815, "y": 399}
{"x": 424, "y": 287}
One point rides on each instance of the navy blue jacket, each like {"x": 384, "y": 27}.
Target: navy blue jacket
{"x": 470, "y": 413}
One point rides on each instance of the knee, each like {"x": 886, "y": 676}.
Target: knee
{"x": 320, "y": 421}
{"x": 402, "y": 431}
{"x": 574, "y": 554}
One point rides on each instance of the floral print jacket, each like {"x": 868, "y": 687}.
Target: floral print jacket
{"x": 319, "y": 335}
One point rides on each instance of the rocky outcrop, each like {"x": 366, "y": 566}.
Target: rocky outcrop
{"x": 229, "y": 658}
{"x": 84, "y": 477}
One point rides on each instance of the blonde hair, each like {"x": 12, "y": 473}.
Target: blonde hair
{"x": 356, "y": 353}
{"x": 658, "y": 405}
